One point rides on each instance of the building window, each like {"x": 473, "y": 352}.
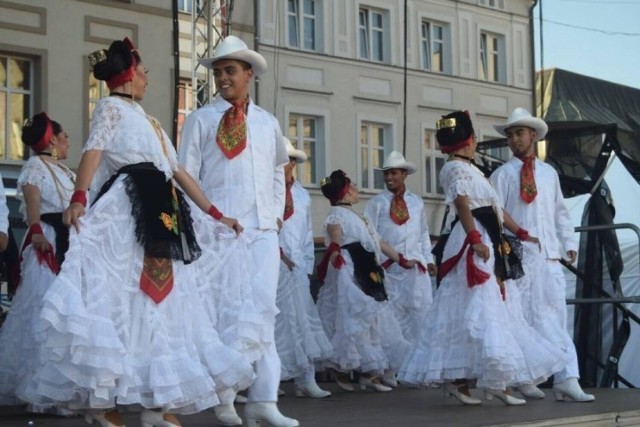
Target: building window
{"x": 434, "y": 160}
{"x": 186, "y": 6}
{"x": 375, "y": 144}
{"x": 97, "y": 90}
{"x": 305, "y": 24}
{"x": 185, "y": 105}
{"x": 435, "y": 47}
{"x": 494, "y": 4}
{"x": 306, "y": 133}
{"x": 492, "y": 58}
{"x": 372, "y": 34}
{"x": 16, "y": 104}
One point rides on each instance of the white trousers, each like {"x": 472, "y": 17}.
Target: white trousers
{"x": 265, "y": 251}
{"x": 555, "y": 289}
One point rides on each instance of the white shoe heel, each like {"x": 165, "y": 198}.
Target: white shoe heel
{"x": 101, "y": 420}
{"x": 505, "y": 398}
{"x": 311, "y": 390}
{"x": 461, "y": 393}
{"x": 149, "y": 418}
{"x": 258, "y": 412}
{"x": 227, "y": 415}
{"x": 373, "y": 384}
{"x": 530, "y": 391}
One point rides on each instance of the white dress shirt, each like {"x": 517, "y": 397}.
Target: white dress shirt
{"x": 411, "y": 238}
{"x": 250, "y": 187}
{"x": 547, "y": 216}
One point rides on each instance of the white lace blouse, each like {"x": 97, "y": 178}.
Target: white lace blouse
{"x": 54, "y": 181}
{"x": 126, "y": 135}
{"x": 355, "y": 228}
{"x": 465, "y": 179}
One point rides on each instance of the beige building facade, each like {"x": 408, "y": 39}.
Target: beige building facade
{"x": 337, "y": 80}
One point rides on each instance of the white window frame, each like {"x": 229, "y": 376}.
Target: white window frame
{"x": 387, "y": 147}
{"x": 493, "y": 4}
{"x": 367, "y": 30}
{"x": 492, "y": 61}
{"x": 428, "y": 42}
{"x": 10, "y": 127}
{"x": 188, "y": 102}
{"x": 302, "y": 20}
{"x": 321, "y": 157}
{"x": 103, "y": 91}
{"x": 429, "y": 154}
{"x": 186, "y": 6}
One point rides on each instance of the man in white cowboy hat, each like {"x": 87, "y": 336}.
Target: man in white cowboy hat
{"x": 300, "y": 338}
{"x": 235, "y": 149}
{"x": 531, "y": 194}
{"x": 399, "y": 216}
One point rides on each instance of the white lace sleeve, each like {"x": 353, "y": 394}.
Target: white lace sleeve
{"x": 171, "y": 153}
{"x": 332, "y": 219}
{"x": 456, "y": 180}
{"x": 34, "y": 173}
{"x": 104, "y": 122}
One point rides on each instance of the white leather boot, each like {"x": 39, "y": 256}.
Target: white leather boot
{"x": 257, "y": 412}
{"x": 571, "y": 389}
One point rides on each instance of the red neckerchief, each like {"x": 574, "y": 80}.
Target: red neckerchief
{"x": 398, "y": 210}
{"x": 528, "y": 189}
{"x": 232, "y": 130}
{"x": 288, "y": 201}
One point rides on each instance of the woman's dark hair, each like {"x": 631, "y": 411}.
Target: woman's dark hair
{"x": 119, "y": 58}
{"x": 334, "y": 184}
{"x": 454, "y": 127}
{"x": 35, "y": 128}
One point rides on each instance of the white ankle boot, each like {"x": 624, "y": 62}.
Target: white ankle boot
{"x": 227, "y": 415}
{"x": 257, "y": 412}
{"x": 571, "y": 390}
{"x": 389, "y": 378}
{"x": 312, "y": 390}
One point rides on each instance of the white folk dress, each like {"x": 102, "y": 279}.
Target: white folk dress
{"x": 469, "y": 332}
{"x": 364, "y": 332}
{"x": 107, "y": 342}
{"x": 409, "y": 290}
{"x": 300, "y": 338}
{"x": 18, "y": 340}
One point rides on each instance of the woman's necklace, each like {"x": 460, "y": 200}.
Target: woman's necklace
{"x": 454, "y": 156}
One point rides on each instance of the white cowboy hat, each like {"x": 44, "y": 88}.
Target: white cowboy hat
{"x": 234, "y": 48}
{"x": 395, "y": 160}
{"x": 299, "y": 155}
{"x": 521, "y": 117}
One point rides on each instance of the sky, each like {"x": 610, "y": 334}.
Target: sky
{"x": 597, "y": 38}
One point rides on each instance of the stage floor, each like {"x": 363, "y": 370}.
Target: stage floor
{"x": 405, "y": 407}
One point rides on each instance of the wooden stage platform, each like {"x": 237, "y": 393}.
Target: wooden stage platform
{"x": 406, "y": 407}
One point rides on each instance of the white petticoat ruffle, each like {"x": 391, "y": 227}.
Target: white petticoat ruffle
{"x": 243, "y": 310}
{"x": 364, "y": 332}
{"x": 300, "y": 338}
{"x": 107, "y": 342}
{"x": 18, "y": 339}
{"x": 471, "y": 333}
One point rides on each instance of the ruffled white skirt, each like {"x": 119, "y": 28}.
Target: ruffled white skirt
{"x": 18, "y": 337}
{"x": 300, "y": 338}
{"x": 364, "y": 332}
{"x": 410, "y": 297}
{"x": 243, "y": 310}
{"x": 471, "y": 333}
{"x": 107, "y": 342}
